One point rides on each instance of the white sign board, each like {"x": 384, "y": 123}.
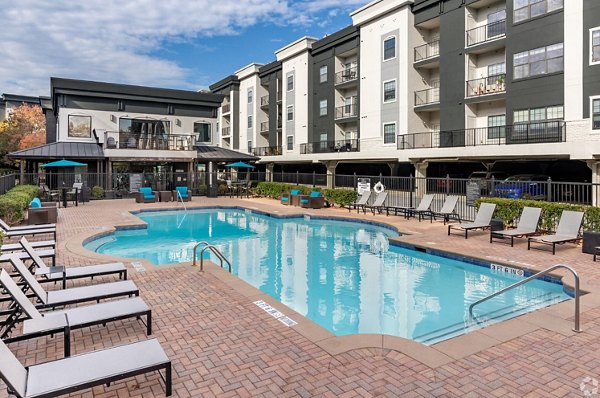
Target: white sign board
{"x": 363, "y": 185}
{"x": 135, "y": 182}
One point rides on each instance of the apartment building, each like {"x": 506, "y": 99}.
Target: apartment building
{"x": 428, "y": 86}
{"x": 10, "y": 101}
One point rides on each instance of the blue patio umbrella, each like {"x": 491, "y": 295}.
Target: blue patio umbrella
{"x": 240, "y": 164}
{"x": 64, "y": 163}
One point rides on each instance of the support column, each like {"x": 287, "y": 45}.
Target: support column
{"x": 109, "y": 179}
{"x": 394, "y": 166}
{"x": 331, "y": 165}
{"x": 22, "y": 171}
{"x": 421, "y": 177}
{"x": 269, "y": 172}
{"x": 594, "y": 165}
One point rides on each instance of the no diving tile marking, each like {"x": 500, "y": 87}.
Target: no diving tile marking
{"x": 275, "y": 313}
{"x": 138, "y": 266}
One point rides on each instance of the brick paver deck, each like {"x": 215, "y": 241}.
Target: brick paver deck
{"x": 222, "y": 345}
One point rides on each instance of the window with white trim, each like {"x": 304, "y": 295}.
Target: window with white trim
{"x": 539, "y": 61}
{"x": 389, "y": 91}
{"x": 389, "y": 48}
{"x": 290, "y": 113}
{"x": 323, "y": 137}
{"x": 555, "y": 112}
{"x": 323, "y": 107}
{"x": 250, "y": 95}
{"x": 290, "y": 142}
{"x": 389, "y": 133}
{"x": 527, "y": 9}
{"x": 250, "y": 121}
{"x": 290, "y": 83}
{"x": 596, "y": 113}
{"x": 323, "y": 74}
{"x": 595, "y": 45}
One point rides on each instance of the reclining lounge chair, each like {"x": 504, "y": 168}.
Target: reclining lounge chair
{"x": 52, "y": 322}
{"x": 447, "y": 211}
{"x": 528, "y": 225}
{"x": 362, "y": 201}
{"x": 423, "y": 207}
{"x": 26, "y": 230}
{"x": 483, "y": 219}
{"x": 82, "y": 371}
{"x": 566, "y": 231}
{"x": 378, "y": 204}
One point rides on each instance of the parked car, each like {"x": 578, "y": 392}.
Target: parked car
{"x": 484, "y": 178}
{"x": 522, "y": 186}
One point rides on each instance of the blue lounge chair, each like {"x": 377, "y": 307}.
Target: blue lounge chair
{"x": 146, "y": 195}
{"x": 183, "y": 193}
{"x": 291, "y": 198}
{"x": 313, "y": 201}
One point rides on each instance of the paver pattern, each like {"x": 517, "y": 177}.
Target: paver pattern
{"x": 222, "y": 345}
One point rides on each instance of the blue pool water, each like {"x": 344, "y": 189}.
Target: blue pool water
{"x": 345, "y": 276}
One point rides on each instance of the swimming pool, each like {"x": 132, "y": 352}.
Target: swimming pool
{"x": 345, "y": 276}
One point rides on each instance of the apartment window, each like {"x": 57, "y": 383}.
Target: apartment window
{"x": 496, "y": 26}
{"x": 202, "y": 132}
{"x": 596, "y": 113}
{"x": 290, "y": 113}
{"x": 389, "y": 48}
{"x": 250, "y": 96}
{"x": 290, "y": 83}
{"x": 323, "y": 74}
{"x": 496, "y": 69}
{"x": 389, "y": 91}
{"x": 539, "y": 61}
{"x": 595, "y": 42}
{"x": 290, "y": 142}
{"x": 389, "y": 133}
{"x": 323, "y": 107}
{"x": 496, "y": 129}
{"x": 323, "y": 137}
{"x": 250, "y": 121}
{"x": 526, "y": 9}
{"x": 555, "y": 112}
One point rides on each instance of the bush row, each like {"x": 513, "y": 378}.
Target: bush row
{"x": 509, "y": 210}
{"x": 14, "y": 203}
{"x": 340, "y": 197}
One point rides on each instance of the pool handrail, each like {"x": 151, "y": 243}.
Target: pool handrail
{"x": 213, "y": 249}
{"x": 536, "y": 276}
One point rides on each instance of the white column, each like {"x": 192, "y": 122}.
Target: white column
{"x": 573, "y": 55}
{"x": 421, "y": 178}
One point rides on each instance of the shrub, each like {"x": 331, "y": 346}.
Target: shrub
{"x": 276, "y": 189}
{"x": 508, "y": 210}
{"x": 202, "y": 190}
{"x": 97, "y": 192}
{"x": 14, "y": 203}
{"x": 341, "y": 197}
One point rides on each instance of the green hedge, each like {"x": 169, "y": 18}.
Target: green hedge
{"x": 14, "y": 203}
{"x": 97, "y": 192}
{"x": 509, "y": 210}
{"x": 276, "y": 189}
{"x": 339, "y": 196}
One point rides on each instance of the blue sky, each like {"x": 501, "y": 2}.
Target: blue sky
{"x": 185, "y": 44}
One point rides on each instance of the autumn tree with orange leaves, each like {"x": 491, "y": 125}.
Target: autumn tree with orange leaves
{"x": 24, "y": 128}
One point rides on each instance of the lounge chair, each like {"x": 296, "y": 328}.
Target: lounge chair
{"x": 42, "y": 244}
{"x": 483, "y": 219}
{"x": 291, "y": 198}
{"x": 567, "y": 230}
{"x": 8, "y": 228}
{"x": 55, "y": 298}
{"x": 362, "y": 200}
{"x": 528, "y": 225}
{"x": 145, "y": 195}
{"x": 423, "y": 207}
{"x": 52, "y": 322}
{"x": 63, "y": 274}
{"x": 313, "y": 201}
{"x": 26, "y": 230}
{"x": 378, "y": 204}
{"x": 447, "y": 211}
{"x": 182, "y": 193}
{"x": 21, "y": 255}
{"x": 82, "y": 371}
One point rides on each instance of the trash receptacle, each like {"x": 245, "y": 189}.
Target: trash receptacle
{"x": 213, "y": 191}
{"x": 496, "y": 224}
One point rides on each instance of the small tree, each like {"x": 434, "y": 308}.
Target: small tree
{"x": 24, "y": 128}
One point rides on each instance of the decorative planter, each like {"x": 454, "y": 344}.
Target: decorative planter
{"x": 591, "y": 239}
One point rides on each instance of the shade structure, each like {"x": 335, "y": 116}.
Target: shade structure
{"x": 240, "y": 165}
{"x": 64, "y": 163}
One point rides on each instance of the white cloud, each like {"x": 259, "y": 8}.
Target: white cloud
{"x": 116, "y": 41}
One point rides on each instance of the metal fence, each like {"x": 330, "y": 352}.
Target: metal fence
{"x": 7, "y": 182}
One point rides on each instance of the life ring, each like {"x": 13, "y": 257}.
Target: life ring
{"x": 378, "y": 188}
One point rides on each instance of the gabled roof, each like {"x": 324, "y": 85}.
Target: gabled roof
{"x": 61, "y": 150}
{"x": 218, "y": 154}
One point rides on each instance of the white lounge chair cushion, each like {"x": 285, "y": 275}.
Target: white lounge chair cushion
{"x": 88, "y": 292}
{"x": 35, "y": 245}
{"x": 30, "y": 232}
{"x": 553, "y": 238}
{"x": 84, "y": 271}
{"x": 98, "y": 365}
{"x": 25, "y": 255}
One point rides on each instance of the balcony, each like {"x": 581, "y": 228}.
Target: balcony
{"x": 264, "y": 101}
{"x": 347, "y": 75}
{"x": 279, "y": 122}
{"x": 267, "y": 151}
{"x": 522, "y": 133}
{"x": 226, "y": 108}
{"x": 427, "y": 51}
{"x": 152, "y": 142}
{"x": 427, "y": 97}
{"x": 486, "y": 85}
{"x": 225, "y": 131}
{"x": 330, "y": 146}
{"x": 279, "y": 96}
{"x": 346, "y": 111}
{"x": 264, "y": 127}
{"x": 485, "y": 33}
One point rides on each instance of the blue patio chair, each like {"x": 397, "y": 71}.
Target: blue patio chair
{"x": 291, "y": 198}
{"x": 183, "y": 193}
{"x": 313, "y": 201}
{"x": 146, "y": 195}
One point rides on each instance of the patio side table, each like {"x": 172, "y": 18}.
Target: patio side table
{"x": 165, "y": 196}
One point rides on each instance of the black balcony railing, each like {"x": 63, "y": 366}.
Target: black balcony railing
{"x": 346, "y": 75}
{"x": 346, "y": 111}
{"x": 267, "y": 151}
{"x": 160, "y": 142}
{"x": 491, "y": 31}
{"x": 226, "y": 108}
{"x": 486, "y": 85}
{"x": 428, "y": 96}
{"x": 226, "y": 131}
{"x": 522, "y": 133}
{"x": 427, "y": 50}
{"x": 330, "y": 146}
{"x": 264, "y": 126}
{"x": 264, "y": 101}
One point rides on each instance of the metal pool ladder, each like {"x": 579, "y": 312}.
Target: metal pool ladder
{"x": 214, "y": 250}
{"x": 536, "y": 276}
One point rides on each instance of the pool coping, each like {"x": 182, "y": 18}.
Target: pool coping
{"x": 557, "y": 317}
